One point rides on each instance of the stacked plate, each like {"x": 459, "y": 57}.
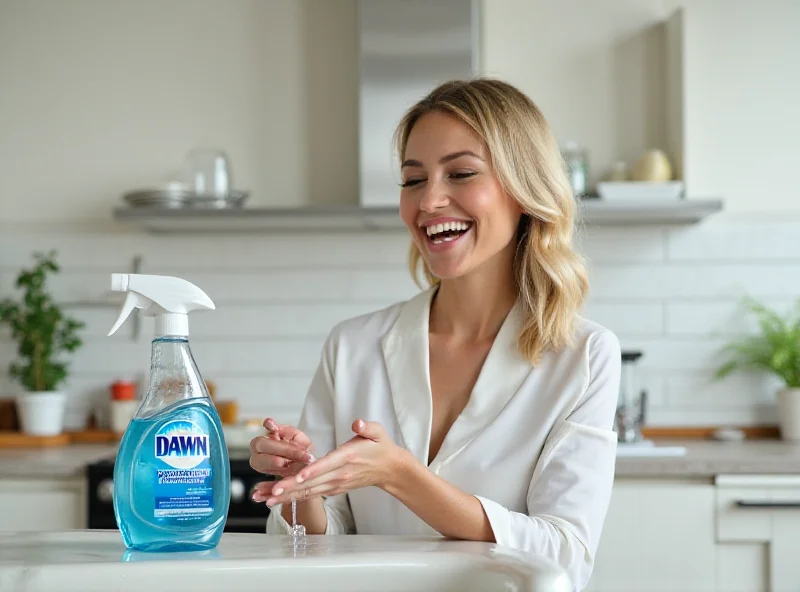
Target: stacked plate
{"x": 178, "y": 196}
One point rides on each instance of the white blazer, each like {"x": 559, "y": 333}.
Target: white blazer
{"x": 535, "y": 445}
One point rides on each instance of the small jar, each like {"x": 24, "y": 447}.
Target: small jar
{"x": 123, "y": 405}
{"x": 577, "y": 163}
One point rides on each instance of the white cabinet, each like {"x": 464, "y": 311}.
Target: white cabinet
{"x": 758, "y": 533}
{"x": 658, "y": 537}
{"x": 42, "y": 504}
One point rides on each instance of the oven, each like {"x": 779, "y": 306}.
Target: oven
{"x": 244, "y": 515}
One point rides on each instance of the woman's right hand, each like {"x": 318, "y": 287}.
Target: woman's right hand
{"x": 282, "y": 452}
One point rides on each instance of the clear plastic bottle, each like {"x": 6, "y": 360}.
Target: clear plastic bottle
{"x": 172, "y": 473}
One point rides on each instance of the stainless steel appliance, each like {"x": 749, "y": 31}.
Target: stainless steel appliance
{"x": 244, "y": 515}
{"x": 406, "y": 49}
{"x": 632, "y": 400}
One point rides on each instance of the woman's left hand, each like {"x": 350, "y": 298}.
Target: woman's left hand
{"x": 368, "y": 459}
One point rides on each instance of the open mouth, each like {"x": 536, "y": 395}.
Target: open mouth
{"x": 447, "y": 231}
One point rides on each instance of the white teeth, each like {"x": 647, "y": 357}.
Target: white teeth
{"x": 446, "y": 227}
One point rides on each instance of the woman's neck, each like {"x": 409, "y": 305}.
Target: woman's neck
{"x": 473, "y": 307}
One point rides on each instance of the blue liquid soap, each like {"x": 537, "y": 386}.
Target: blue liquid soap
{"x": 172, "y": 473}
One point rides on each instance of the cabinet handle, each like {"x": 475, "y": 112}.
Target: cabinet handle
{"x": 767, "y": 504}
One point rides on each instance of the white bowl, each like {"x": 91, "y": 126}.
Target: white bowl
{"x": 640, "y": 190}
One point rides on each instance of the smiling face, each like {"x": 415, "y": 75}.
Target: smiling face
{"x": 453, "y": 204}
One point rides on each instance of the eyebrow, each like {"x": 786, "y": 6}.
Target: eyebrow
{"x": 444, "y": 159}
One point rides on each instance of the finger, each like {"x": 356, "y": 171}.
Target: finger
{"x": 302, "y": 495}
{"x": 287, "y": 432}
{"x": 266, "y": 489}
{"x": 288, "y": 450}
{"x": 286, "y": 486}
{"x": 371, "y": 430}
{"x": 330, "y": 462}
{"x": 283, "y": 471}
{"x": 275, "y": 465}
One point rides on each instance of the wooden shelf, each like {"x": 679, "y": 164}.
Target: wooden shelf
{"x": 354, "y": 218}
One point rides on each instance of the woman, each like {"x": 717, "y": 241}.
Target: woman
{"x": 482, "y": 408}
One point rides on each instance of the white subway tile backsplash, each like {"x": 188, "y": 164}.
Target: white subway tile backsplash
{"x": 166, "y": 254}
{"x": 673, "y": 281}
{"x": 622, "y": 245}
{"x": 673, "y": 293}
{"x": 312, "y": 285}
{"x": 720, "y": 318}
{"x": 744, "y": 240}
{"x": 674, "y": 354}
{"x": 391, "y": 285}
{"x": 273, "y": 320}
{"x": 78, "y": 250}
{"x": 260, "y": 396}
{"x": 713, "y": 416}
{"x": 628, "y": 318}
{"x": 115, "y": 356}
{"x": 257, "y": 356}
{"x": 700, "y": 389}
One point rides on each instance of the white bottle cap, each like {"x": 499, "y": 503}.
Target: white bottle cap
{"x": 172, "y": 324}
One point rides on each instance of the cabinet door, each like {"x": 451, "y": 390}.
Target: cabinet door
{"x": 658, "y": 537}
{"x": 42, "y": 504}
{"x": 758, "y": 526}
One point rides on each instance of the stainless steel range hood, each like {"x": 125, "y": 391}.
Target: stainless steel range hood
{"x": 406, "y": 48}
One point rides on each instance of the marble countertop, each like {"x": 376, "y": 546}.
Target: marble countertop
{"x": 703, "y": 459}
{"x": 89, "y": 561}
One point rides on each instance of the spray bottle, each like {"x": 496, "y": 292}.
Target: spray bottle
{"x": 172, "y": 473}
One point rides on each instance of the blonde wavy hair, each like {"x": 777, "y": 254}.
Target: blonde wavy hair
{"x": 551, "y": 276}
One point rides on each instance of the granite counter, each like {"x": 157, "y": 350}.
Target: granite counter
{"x": 707, "y": 458}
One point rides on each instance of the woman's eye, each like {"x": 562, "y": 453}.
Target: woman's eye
{"x": 410, "y": 182}
{"x": 463, "y": 175}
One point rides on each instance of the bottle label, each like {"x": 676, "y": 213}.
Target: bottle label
{"x": 183, "y": 477}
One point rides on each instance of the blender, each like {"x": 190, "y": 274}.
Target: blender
{"x": 631, "y": 402}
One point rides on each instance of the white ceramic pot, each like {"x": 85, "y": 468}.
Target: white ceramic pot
{"x": 41, "y": 413}
{"x": 789, "y": 413}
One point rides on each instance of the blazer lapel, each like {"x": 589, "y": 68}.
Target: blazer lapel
{"x": 405, "y": 351}
{"x": 501, "y": 376}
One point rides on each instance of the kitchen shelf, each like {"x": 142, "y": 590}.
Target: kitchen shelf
{"x": 357, "y": 218}
{"x": 247, "y": 220}
{"x": 595, "y": 211}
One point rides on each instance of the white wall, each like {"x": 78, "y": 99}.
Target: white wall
{"x": 599, "y": 71}
{"x": 596, "y": 69}
{"x": 741, "y": 91}
{"x": 101, "y": 97}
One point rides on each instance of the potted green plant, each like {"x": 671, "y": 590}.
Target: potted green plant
{"x": 775, "y": 349}
{"x": 43, "y": 334}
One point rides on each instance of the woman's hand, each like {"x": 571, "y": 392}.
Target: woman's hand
{"x": 284, "y": 451}
{"x": 368, "y": 459}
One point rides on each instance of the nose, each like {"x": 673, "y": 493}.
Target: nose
{"x": 434, "y": 197}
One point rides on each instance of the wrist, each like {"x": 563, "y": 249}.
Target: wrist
{"x": 400, "y": 468}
